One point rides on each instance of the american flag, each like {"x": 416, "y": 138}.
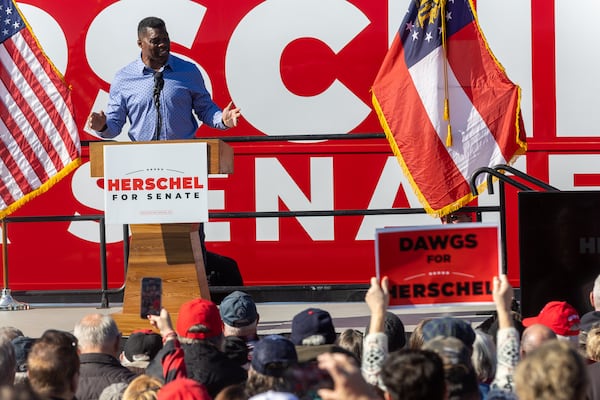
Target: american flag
{"x": 39, "y": 141}
{"x": 446, "y": 104}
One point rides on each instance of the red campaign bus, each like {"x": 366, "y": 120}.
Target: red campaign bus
{"x": 299, "y": 67}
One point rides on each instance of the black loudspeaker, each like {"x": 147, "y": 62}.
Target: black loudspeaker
{"x": 559, "y": 246}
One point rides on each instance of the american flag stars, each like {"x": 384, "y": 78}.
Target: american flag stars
{"x": 12, "y": 22}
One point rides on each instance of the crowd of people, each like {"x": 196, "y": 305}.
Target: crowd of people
{"x": 215, "y": 352}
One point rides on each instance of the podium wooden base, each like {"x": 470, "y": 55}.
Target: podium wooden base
{"x": 171, "y": 252}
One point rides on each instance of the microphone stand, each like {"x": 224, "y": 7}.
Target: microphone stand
{"x": 159, "y": 82}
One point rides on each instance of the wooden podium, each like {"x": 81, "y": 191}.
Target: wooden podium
{"x": 171, "y": 252}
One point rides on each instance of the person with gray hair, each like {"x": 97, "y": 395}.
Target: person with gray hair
{"x": 99, "y": 344}
{"x": 589, "y": 319}
{"x": 484, "y": 360}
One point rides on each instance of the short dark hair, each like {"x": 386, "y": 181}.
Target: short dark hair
{"x": 149, "y": 22}
{"x": 414, "y": 374}
{"x": 394, "y": 330}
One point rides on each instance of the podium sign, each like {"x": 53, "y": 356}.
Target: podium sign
{"x": 441, "y": 264}
{"x": 147, "y": 183}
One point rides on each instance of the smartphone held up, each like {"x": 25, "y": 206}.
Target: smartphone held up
{"x": 151, "y": 299}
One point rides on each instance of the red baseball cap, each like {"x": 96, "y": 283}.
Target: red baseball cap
{"x": 559, "y": 316}
{"x": 183, "y": 389}
{"x": 199, "y": 312}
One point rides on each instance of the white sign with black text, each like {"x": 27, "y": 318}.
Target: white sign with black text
{"x": 162, "y": 182}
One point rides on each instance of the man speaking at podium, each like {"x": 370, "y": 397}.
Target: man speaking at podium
{"x": 160, "y": 93}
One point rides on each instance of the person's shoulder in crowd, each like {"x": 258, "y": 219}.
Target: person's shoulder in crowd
{"x": 236, "y": 350}
{"x": 590, "y": 320}
{"x": 593, "y": 390}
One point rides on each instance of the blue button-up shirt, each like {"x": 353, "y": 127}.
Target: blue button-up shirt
{"x": 131, "y": 98}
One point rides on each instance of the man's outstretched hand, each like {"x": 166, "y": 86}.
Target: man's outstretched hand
{"x": 231, "y": 115}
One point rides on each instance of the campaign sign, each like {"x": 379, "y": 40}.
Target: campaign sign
{"x": 161, "y": 182}
{"x": 442, "y": 264}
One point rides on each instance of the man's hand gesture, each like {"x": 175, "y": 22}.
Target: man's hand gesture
{"x": 231, "y": 115}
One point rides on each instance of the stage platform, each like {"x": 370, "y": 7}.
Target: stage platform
{"x": 275, "y": 317}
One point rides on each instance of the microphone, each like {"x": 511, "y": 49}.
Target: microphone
{"x": 159, "y": 82}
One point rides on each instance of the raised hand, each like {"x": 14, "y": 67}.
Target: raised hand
{"x": 231, "y": 115}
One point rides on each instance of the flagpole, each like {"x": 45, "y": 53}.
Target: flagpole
{"x": 445, "y": 60}
{"x": 4, "y": 254}
{"x": 7, "y": 303}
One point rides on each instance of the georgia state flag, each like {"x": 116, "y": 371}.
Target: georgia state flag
{"x": 446, "y": 104}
